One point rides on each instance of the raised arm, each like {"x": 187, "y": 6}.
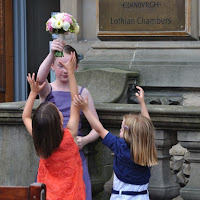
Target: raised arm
{"x": 35, "y": 88}
{"x": 74, "y": 110}
{"x": 45, "y": 67}
{"x": 94, "y": 122}
{"x": 140, "y": 97}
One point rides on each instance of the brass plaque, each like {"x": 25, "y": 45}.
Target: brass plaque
{"x": 147, "y": 20}
{"x": 130, "y": 15}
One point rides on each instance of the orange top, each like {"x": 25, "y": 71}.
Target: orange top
{"x": 62, "y": 172}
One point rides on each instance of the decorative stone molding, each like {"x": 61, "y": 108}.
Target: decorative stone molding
{"x": 179, "y": 166}
{"x": 191, "y": 141}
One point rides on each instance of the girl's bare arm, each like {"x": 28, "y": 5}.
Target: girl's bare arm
{"x": 73, "y": 122}
{"x": 35, "y": 88}
{"x": 94, "y": 122}
{"x": 140, "y": 97}
{"x": 45, "y": 67}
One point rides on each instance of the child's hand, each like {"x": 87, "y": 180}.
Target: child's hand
{"x": 35, "y": 86}
{"x": 57, "y": 45}
{"x": 70, "y": 65}
{"x": 80, "y": 102}
{"x": 140, "y": 95}
{"x": 81, "y": 142}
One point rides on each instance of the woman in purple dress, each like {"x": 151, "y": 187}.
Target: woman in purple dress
{"x": 58, "y": 92}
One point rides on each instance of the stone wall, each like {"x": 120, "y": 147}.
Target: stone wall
{"x": 18, "y": 159}
{"x": 173, "y": 123}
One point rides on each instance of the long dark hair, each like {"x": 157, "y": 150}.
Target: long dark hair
{"x": 47, "y": 129}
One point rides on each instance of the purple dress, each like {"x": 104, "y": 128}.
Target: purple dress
{"x": 63, "y": 102}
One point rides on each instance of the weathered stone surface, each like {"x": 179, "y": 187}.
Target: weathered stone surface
{"x": 108, "y": 84}
{"x": 159, "y": 63}
{"x": 177, "y": 150}
{"x": 177, "y": 162}
{"x": 191, "y": 98}
{"x": 178, "y": 198}
{"x": 186, "y": 169}
{"x": 181, "y": 177}
{"x": 192, "y": 190}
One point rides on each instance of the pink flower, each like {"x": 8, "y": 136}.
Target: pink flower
{"x": 68, "y": 14}
{"x": 49, "y": 26}
{"x": 67, "y": 18}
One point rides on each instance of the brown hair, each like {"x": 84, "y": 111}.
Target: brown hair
{"x": 68, "y": 49}
{"x": 139, "y": 135}
{"x": 47, "y": 130}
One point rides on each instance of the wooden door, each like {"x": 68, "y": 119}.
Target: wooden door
{"x": 6, "y": 51}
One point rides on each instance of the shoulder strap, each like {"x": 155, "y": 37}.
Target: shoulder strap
{"x": 81, "y": 90}
{"x": 50, "y": 87}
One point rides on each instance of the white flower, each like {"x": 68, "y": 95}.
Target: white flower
{"x": 53, "y": 22}
{"x": 66, "y": 26}
{"x": 76, "y": 29}
{"x": 59, "y": 16}
{"x": 59, "y": 24}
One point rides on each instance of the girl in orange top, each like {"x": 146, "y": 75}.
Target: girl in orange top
{"x": 60, "y": 165}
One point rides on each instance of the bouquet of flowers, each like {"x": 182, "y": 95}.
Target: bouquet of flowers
{"x": 60, "y": 24}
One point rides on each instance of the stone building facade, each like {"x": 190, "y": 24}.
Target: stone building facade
{"x": 169, "y": 73}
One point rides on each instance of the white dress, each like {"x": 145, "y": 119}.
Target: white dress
{"x": 119, "y": 185}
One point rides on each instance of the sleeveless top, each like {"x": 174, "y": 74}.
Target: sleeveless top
{"x": 62, "y": 172}
{"x": 58, "y": 98}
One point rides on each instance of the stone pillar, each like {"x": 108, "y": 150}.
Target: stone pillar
{"x": 191, "y": 141}
{"x": 162, "y": 185}
{"x": 97, "y": 181}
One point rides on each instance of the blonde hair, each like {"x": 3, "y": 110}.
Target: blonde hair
{"x": 139, "y": 135}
